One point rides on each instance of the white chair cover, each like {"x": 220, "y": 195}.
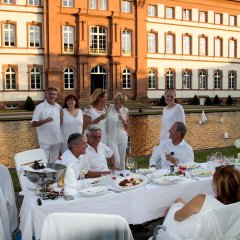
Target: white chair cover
{"x": 81, "y": 226}
{"x": 8, "y": 192}
{"x": 26, "y": 157}
{"x": 4, "y": 219}
{"x": 220, "y": 223}
{"x": 2, "y": 235}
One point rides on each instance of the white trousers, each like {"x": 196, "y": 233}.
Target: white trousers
{"x": 52, "y": 151}
{"x": 119, "y": 146}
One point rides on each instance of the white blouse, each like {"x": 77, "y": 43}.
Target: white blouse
{"x": 170, "y": 116}
{"x": 93, "y": 113}
{"x": 114, "y": 125}
{"x": 71, "y": 124}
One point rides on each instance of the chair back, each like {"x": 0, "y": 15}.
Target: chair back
{"x": 26, "y": 157}
{"x": 83, "y": 226}
{"x": 220, "y": 223}
{"x": 6, "y": 186}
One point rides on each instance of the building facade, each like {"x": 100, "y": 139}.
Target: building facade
{"x": 138, "y": 47}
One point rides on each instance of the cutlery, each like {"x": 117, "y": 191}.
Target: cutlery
{"x": 31, "y": 162}
{"x": 113, "y": 190}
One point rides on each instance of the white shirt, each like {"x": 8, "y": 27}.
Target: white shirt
{"x": 169, "y": 117}
{"x": 98, "y": 160}
{"x": 93, "y": 113}
{"x": 76, "y": 163}
{"x": 114, "y": 125}
{"x": 71, "y": 124}
{"x": 48, "y": 133}
{"x": 183, "y": 152}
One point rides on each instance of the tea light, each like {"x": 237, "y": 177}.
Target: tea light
{"x": 225, "y": 135}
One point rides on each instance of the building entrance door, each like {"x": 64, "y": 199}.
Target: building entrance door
{"x": 98, "y": 78}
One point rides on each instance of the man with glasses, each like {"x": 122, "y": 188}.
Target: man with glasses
{"x": 46, "y": 118}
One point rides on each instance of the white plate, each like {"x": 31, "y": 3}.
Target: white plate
{"x": 191, "y": 165}
{"x": 93, "y": 191}
{"x": 167, "y": 180}
{"x": 140, "y": 178}
{"x": 203, "y": 173}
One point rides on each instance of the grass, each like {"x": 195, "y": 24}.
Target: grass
{"x": 142, "y": 162}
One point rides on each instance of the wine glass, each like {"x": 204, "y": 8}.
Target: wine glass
{"x": 218, "y": 157}
{"x": 83, "y": 171}
{"x": 130, "y": 163}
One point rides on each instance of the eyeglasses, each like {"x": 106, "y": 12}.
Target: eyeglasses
{"x": 102, "y": 93}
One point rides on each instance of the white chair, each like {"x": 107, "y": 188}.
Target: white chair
{"x": 4, "y": 219}
{"x": 220, "y": 223}
{"x": 9, "y": 195}
{"x": 83, "y": 226}
{"x": 26, "y": 157}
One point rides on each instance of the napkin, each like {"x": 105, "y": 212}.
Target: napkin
{"x": 70, "y": 182}
{"x": 158, "y": 173}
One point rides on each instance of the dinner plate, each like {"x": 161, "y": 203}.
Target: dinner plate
{"x": 93, "y": 191}
{"x": 139, "y": 179}
{"x": 167, "y": 180}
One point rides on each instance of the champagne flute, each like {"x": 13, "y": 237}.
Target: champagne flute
{"x": 130, "y": 163}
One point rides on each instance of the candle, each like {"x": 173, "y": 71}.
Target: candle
{"x": 225, "y": 135}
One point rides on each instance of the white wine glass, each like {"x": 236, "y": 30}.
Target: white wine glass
{"x": 130, "y": 163}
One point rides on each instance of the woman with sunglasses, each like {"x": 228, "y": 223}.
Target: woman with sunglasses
{"x": 172, "y": 113}
{"x": 96, "y": 113}
{"x": 117, "y": 122}
{"x": 182, "y": 218}
{"x": 72, "y": 119}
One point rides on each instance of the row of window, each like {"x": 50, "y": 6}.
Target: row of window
{"x": 187, "y": 15}
{"x": 29, "y": 2}
{"x": 170, "y": 77}
{"x": 170, "y": 45}
{"x": 69, "y": 76}
{"x": 9, "y": 35}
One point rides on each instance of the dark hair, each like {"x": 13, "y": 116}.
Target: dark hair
{"x": 226, "y": 180}
{"x": 70, "y": 97}
{"x": 73, "y": 139}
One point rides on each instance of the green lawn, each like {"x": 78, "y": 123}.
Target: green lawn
{"x": 200, "y": 156}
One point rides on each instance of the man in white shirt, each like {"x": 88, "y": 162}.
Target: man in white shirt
{"x": 46, "y": 118}
{"x": 173, "y": 151}
{"x": 75, "y": 154}
{"x": 98, "y": 153}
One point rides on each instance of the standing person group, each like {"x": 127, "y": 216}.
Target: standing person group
{"x": 55, "y": 125}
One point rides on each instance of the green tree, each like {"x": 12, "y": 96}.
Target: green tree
{"x": 216, "y": 100}
{"x": 229, "y": 101}
{"x": 162, "y": 101}
{"x": 29, "y": 104}
{"x": 195, "y": 100}
{"x": 208, "y": 101}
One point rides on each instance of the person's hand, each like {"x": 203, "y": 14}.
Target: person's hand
{"x": 103, "y": 116}
{"x": 49, "y": 119}
{"x": 171, "y": 159}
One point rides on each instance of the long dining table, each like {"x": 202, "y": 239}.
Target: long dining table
{"x": 137, "y": 206}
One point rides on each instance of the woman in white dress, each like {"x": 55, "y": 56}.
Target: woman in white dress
{"x": 173, "y": 112}
{"x": 96, "y": 113}
{"x": 182, "y": 218}
{"x": 72, "y": 119}
{"x": 117, "y": 122}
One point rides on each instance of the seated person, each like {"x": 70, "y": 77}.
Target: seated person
{"x": 98, "y": 153}
{"x": 182, "y": 218}
{"x": 172, "y": 151}
{"x": 75, "y": 154}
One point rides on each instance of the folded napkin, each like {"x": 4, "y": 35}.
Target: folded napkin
{"x": 38, "y": 170}
{"x": 70, "y": 182}
{"x": 158, "y": 173}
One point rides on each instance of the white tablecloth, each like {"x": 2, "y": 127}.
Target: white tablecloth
{"x": 136, "y": 206}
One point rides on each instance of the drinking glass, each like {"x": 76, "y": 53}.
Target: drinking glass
{"x": 83, "y": 171}
{"x": 231, "y": 160}
{"x": 218, "y": 157}
{"x": 130, "y": 163}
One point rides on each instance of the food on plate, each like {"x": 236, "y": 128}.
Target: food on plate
{"x": 130, "y": 182}
{"x": 204, "y": 173}
{"x": 36, "y": 165}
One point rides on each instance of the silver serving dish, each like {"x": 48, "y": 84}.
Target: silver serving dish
{"x": 46, "y": 178}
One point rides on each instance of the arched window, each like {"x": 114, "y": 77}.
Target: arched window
{"x": 169, "y": 78}
{"x": 98, "y": 40}
{"x": 232, "y": 80}
{"x": 68, "y": 39}
{"x": 152, "y": 79}
{"x": 202, "y": 80}
{"x": 217, "y": 80}
{"x": 10, "y": 79}
{"x": 35, "y": 78}
{"x": 186, "y": 80}
{"x": 68, "y": 78}
{"x": 126, "y": 79}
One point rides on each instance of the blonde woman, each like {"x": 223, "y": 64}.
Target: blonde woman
{"x": 172, "y": 113}
{"x": 96, "y": 113}
{"x": 117, "y": 122}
